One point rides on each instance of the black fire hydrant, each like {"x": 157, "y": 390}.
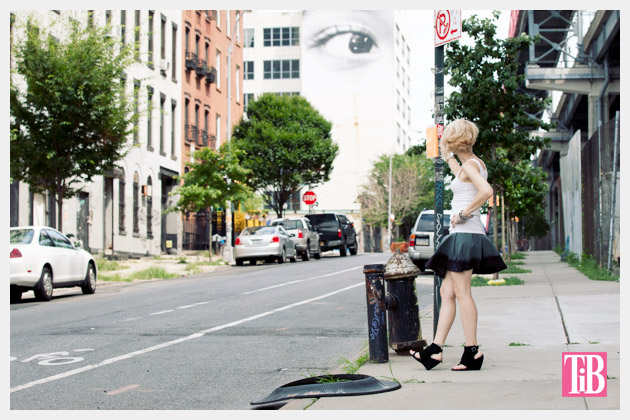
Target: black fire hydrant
{"x": 401, "y": 303}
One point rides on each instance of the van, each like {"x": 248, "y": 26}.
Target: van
{"x": 421, "y": 244}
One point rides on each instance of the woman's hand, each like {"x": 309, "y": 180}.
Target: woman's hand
{"x": 455, "y": 219}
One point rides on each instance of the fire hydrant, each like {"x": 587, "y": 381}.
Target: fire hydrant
{"x": 401, "y": 302}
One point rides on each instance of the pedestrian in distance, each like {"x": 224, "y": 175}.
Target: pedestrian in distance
{"x": 465, "y": 250}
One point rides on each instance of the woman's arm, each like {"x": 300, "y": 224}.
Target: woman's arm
{"x": 484, "y": 188}
{"x": 452, "y": 163}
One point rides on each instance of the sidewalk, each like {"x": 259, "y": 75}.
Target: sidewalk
{"x": 558, "y": 309}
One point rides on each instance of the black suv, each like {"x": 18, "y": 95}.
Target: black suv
{"x": 335, "y": 232}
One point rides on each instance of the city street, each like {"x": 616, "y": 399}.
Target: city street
{"x": 212, "y": 341}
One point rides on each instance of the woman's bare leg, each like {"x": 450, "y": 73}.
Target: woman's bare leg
{"x": 447, "y": 314}
{"x": 467, "y": 308}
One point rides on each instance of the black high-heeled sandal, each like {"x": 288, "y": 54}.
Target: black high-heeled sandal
{"x": 468, "y": 359}
{"x": 425, "y": 356}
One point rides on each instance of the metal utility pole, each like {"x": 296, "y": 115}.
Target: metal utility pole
{"x": 227, "y": 250}
{"x": 438, "y": 164}
{"x": 448, "y": 27}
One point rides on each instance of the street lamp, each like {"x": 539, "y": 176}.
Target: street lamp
{"x": 227, "y": 250}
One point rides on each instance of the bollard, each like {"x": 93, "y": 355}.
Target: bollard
{"x": 402, "y": 303}
{"x": 377, "y": 328}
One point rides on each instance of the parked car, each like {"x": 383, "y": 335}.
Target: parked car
{"x": 303, "y": 234}
{"x": 43, "y": 259}
{"x": 335, "y": 232}
{"x": 264, "y": 242}
{"x": 421, "y": 245}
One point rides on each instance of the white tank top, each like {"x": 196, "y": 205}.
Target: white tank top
{"x": 463, "y": 195}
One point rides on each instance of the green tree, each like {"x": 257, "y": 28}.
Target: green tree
{"x": 214, "y": 177}
{"x": 287, "y": 146}
{"x": 490, "y": 93}
{"x": 412, "y": 190}
{"x": 71, "y": 120}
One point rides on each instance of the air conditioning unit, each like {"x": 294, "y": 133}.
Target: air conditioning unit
{"x": 146, "y": 190}
{"x": 165, "y": 65}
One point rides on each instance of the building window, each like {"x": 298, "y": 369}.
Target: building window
{"x": 90, "y": 19}
{"x": 162, "y": 112}
{"x": 248, "y": 72}
{"x": 136, "y": 98}
{"x": 174, "y": 53}
{"x": 204, "y": 134}
{"x": 186, "y": 122}
{"x": 121, "y": 204}
{"x": 218, "y": 128}
{"x": 150, "y": 35}
{"x": 123, "y": 24}
{"x": 149, "y": 195}
{"x": 237, "y": 28}
{"x": 237, "y": 82}
{"x": 247, "y": 97}
{"x": 149, "y": 118}
{"x": 108, "y": 17}
{"x": 136, "y": 203}
{"x": 163, "y": 38}
{"x": 281, "y": 69}
{"x": 281, "y": 37}
{"x": 173, "y": 113}
{"x": 218, "y": 64}
{"x": 249, "y": 37}
{"x": 228, "y": 22}
{"x": 136, "y": 47}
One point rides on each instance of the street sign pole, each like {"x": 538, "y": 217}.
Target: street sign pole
{"x": 438, "y": 164}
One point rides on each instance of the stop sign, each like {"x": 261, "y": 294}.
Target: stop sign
{"x": 309, "y": 198}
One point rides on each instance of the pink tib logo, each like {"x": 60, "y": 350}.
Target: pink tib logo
{"x": 584, "y": 374}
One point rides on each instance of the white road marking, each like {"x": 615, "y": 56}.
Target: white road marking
{"x": 299, "y": 281}
{"x": 193, "y": 305}
{"x": 162, "y": 312}
{"x": 177, "y": 341}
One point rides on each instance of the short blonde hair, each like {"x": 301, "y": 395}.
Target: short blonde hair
{"x": 460, "y": 135}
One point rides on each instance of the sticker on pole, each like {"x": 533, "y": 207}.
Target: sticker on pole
{"x": 448, "y": 26}
{"x": 309, "y": 198}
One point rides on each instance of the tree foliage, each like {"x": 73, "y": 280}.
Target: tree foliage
{"x": 412, "y": 190}
{"x": 71, "y": 121}
{"x": 287, "y": 145}
{"x": 490, "y": 92}
{"x": 206, "y": 183}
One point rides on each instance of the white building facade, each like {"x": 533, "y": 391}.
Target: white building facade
{"x": 122, "y": 212}
{"x": 354, "y": 68}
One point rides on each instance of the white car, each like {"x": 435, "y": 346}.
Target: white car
{"x": 421, "y": 245}
{"x": 43, "y": 259}
{"x": 264, "y": 242}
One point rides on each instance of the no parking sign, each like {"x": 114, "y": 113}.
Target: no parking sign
{"x": 448, "y": 26}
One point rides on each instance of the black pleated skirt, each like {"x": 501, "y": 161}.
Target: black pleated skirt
{"x": 463, "y": 251}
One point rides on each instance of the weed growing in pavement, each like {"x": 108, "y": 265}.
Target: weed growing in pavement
{"x": 513, "y": 269}
{"x": 157, "y": 257}
{"x": 115, "y": 277}
{"x": 350, "y": 367}
{"x": 392, "y": 378}
{"x": 413, "y": 381}
{"x": 109, "y": 265}
{"x": 593, "y": 342}
{"x": 517, "y": 256}
{"x": 193, "y": 268}
{"x": 182, "y": 260}
{"x": 587, "y": 266}
{"x": 152, "y": 273}
{"x": 518, "y": 344}
{"x": 478, "y": 281}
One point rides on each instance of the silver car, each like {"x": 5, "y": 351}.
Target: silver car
{"x": 302, "y": 233}
{"x": 43, "y": 259}
{"x": 264, "y": 242}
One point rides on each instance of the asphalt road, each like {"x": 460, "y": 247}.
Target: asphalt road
{"x": 212, "y": 341}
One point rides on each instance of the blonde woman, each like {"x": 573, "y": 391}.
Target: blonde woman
{"x": 466, "y": 250}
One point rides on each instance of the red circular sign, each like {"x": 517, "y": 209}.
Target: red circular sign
{"x": 309, "y": 198}
{"x": 443, "y": 23}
